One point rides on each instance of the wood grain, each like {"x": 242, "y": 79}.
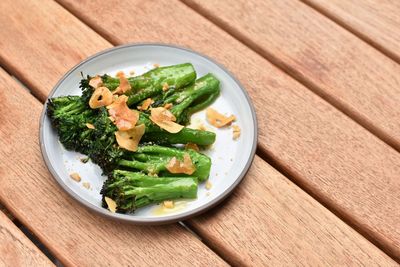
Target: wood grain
{"x": 267, "y": 217}
{"x": 16, "y": 249}
{"x": 271, "y": 222}
{"x": 180, "y": 30}
{"x": 375, "y": 21}
{"x": 340, "y": 163}
{"x": 6, "y": 212}
{"x": 72, "y": 233}
{"x": 331, "y": 61}
{"x": 42, "y": 43}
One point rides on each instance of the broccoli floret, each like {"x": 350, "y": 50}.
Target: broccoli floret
{"x": 130, "y": 184}
{"x": 69, "y": 116}
{"x": 104, "y": 150}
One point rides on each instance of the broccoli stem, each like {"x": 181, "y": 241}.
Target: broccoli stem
{"x": 202, "y": 104}
{"x": 139, "y": 179}
{"x": 152, "y": 82}
{"x": 70, "y": 116}
{"x": 176, "y": 76}
{"x": 134, "y": 190}
{"x": 186, "y": 135}
{"x": 154, "y": 159}
{"x": 148, "y": 167}
{"x": 178, "y": 188}
{"x": 204, "y": 89}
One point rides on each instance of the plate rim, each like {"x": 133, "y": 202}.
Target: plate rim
{"x": 162, "y": 219}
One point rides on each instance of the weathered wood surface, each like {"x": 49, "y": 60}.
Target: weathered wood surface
{"x": 334, "y": 63}
{"x": 376, "y": 21}
{"x": 342, "y": 164}
{"x": 73, "y": 234}
{"x": 16, "y": 249}
{"x": 319, "y": 146}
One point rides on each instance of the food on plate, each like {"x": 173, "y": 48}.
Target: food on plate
{"x": 86, "y": 185}
{"x": 146, "y": 104}
{"x": 208, "y": 185}
{"x": 217, "y": 119}
{"x": 165, "y": 120}
{"x": 169, "y": 204}
{"x": 75, "y": 176}
{"x": 135, "y": 129}
{"x": 236, "y": 132}
{"x": 133, "y": 190}
{"x": 192, "y": 146}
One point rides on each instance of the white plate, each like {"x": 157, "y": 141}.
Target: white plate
{"x": 230, "y": 159}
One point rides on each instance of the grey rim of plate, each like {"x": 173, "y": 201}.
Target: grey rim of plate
{"x": 127, "y": 217}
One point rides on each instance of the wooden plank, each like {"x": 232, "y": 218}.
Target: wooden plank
{"x": 343, "y": 165}
{"x": 73, "y": 234}
{"x": 375, "y": 21}
{"x": 271, "y": 222}
{"x": 347, "y": 72}
{"x": 275, "y": 207}
{"x": 163, "y": 27}
{"x": 3, "y": 210}
{"x": 53, "y": 46}
{"x": 16, "y": 249}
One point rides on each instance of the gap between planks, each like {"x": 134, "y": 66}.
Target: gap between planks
{"x": 219, "y": 252}
{"x": 186, "y": 225}
{"x": 267, "y": 158}
{"x": 347, "y": 218}
{"x": 29, "y": 235}
{"x": 263, "y": 154}
{"x": 291, "y": 71}
{"x": 36, "y": 241}
{"x": 353, "y": 30}
{"x": 92, "y": 26}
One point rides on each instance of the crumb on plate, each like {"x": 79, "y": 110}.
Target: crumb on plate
{"x": 236, "y": 132}
{"x": 86, "y": 185}
{"x": 75, "y": 176}
{"x": 208, "y": 185}
{"x": 169, "y": 204}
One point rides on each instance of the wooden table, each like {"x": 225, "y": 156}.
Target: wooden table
{"x": 324, "y": 76}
